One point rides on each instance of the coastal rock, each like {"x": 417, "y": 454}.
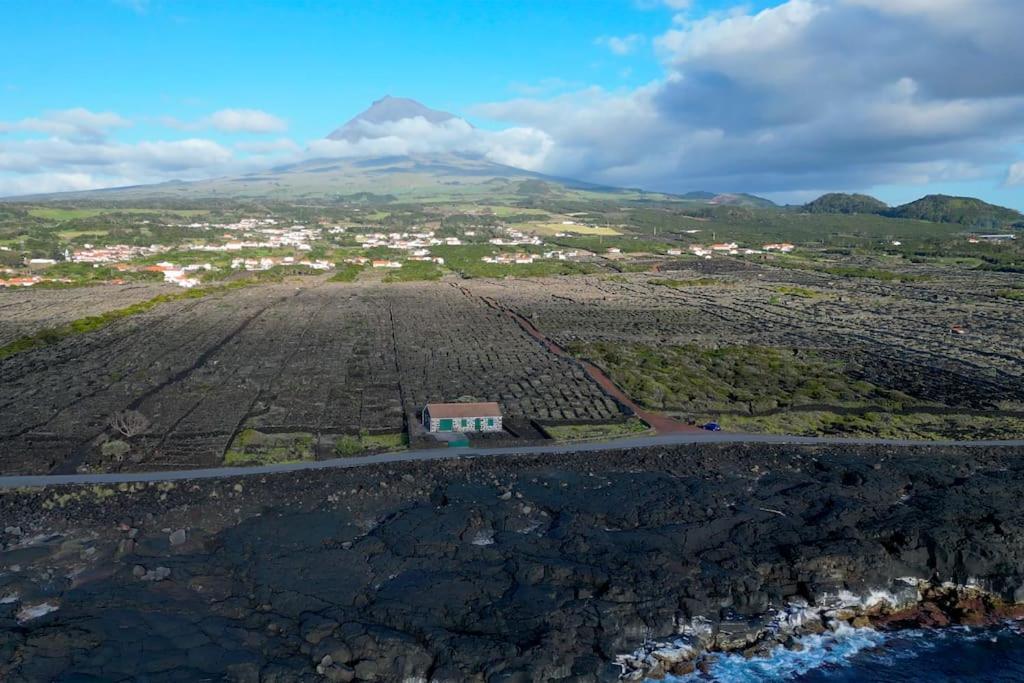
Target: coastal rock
{"x": 658, "y": 555}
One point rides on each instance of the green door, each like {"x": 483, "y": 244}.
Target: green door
{"x": 445, "y": 426}
{"x": 479, "y": 424}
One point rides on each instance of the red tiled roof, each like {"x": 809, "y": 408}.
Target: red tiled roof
{"x": 447, "y": 410}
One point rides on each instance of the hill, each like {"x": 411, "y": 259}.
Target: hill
{"x": 967, "y": 211}
{"x": 839, "y": 202}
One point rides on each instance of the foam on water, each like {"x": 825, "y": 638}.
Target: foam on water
{"x": 849, "y": 654}
{"x": 818, "y": 651}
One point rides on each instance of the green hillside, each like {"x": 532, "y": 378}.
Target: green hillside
{"x": 966, "y": 211}
{"x": 839, "y": 202}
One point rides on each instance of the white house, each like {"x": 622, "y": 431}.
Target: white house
{"x": 462, "y": 417}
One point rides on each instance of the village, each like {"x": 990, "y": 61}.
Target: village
{"x": 263, "y": 244}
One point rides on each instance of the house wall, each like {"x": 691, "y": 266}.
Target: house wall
{"x": 435, "y": 424}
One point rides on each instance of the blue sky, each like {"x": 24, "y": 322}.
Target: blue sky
{"x": 786, "y": 98}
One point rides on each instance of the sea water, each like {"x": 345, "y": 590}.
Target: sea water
{"x": 865, "y": 655}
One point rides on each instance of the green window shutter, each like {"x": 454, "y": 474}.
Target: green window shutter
{"x": 490, "y": 422}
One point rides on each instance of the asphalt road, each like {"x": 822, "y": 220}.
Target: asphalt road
{"x": 7, "y": 482}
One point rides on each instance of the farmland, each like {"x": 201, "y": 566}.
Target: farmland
{"x": 853, "y": 333}
{"x": 311, "y": 367}
{"x": 24, "y": 312}
{"x": 930, "y": 353}
{"x": 317, "y": 360}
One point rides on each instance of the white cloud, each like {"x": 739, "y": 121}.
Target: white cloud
{"x": 807, "y": 94}
{"x": 231, "y": 121}
{"x": 246, "y": 121}
{"x": 521, "y": 147}
{"x": 621, "y": 45}
{"x": 804, "y": 96}
{"x": 68, "y": 123}
{"x": 55, "y": 164}
{"x": 43, "y": 183}
{"x": 268, "y": 146}
{"x": 1015, "y": 178}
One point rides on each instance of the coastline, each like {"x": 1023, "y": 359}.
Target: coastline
{"x": 531, "y": 568}
{"x": 907, "y": 604}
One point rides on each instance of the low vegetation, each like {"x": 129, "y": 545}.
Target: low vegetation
{"x": 793, "y": 290}
{"x": 879, "y": 424}
{"x": 346, "y": 273}
{"x": 584, "y": 432}
{"x": 91, "y": 323}
{"x": 749, "y": 378}
{"x": 415, "y": 271}
{"x": 347, "y": 445}
{"x": 252, "y": 447}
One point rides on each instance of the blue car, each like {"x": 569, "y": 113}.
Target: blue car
{"x": 711, "y": 427}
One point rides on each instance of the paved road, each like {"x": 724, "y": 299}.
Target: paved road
{"x": 452, "y": 453}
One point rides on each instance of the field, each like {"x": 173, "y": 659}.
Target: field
{"x": 26, "y": 312}
{"x": 298, "y": 368}
{"x": 932, "y": 352}
{"x": 312, "y": 361}
{"x": 556, "y": 228}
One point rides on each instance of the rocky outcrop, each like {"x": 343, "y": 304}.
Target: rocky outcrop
{"x": 908, "y": 603}
{"x": 534, "y": 568}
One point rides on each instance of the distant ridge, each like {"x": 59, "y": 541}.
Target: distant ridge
{"x": 730, "y": 199}
{"x": 937, "y": 208}
{"x": 967, "y": 211}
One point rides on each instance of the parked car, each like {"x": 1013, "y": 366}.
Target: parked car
{"x": 711, "y": 427}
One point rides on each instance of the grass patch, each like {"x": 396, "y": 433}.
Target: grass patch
{"x": 800, "y": 292}
{"x": 251, "y": 447}
{"x": 346, "y": 273}
{"x": 347, "y": 445}
{"x": 415, "y": 271}
{"x": 581, "y": 432}
{"x": 1011, "y": 294}
{"x": 698, "y": 380}
{"x": 52, "y": 335}
{"x": 549, "y": 229}
{"x": 880, "y": 425}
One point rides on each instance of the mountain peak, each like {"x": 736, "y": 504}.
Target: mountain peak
{"x": 387, "y": 109}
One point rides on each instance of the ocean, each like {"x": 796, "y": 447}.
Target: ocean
{"x": 957, "y": 655}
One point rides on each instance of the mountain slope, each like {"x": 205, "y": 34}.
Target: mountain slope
{"x": 434, "y": 177}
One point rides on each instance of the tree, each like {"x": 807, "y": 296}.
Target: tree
{"x": 129, "y": 423}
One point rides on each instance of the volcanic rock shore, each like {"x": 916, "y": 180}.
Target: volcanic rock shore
{"x": 497, "y": 569}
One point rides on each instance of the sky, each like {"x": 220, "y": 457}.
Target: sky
{"x": 786, "y": 99}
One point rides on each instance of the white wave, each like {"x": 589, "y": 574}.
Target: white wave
{"x": 833, "y": 648}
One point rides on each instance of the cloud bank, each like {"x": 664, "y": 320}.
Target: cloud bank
{"x": 804, "y": 97}
{"x": 808, "y": 95}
